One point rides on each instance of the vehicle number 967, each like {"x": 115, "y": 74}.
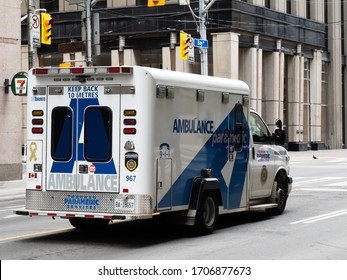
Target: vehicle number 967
{"x": 130, "y": 178}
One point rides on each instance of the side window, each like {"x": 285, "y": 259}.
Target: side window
{"x": 259, "y": 130}
{"x": 61, "y": 147}
{"x": 98, "y": 134}
{"x": 238, "y": 127}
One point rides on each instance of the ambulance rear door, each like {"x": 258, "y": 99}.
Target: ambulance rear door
{"x": 83, "y": 138}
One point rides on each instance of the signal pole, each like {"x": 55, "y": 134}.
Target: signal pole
{"x": 203, "y": 36}
{"x": 202, "y": 28}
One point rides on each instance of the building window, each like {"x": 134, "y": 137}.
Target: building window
{"x": 267, "y": 4}
{"x": 308, "y": 9}
{"x": 289, "y": 6}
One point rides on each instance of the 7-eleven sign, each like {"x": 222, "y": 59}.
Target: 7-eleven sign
{"x": 19, "y": 84}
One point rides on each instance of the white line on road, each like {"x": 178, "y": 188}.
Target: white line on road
{"x": 321, "y": 217}
{"x": 321, "y": 190}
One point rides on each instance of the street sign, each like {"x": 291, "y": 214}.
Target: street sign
{"x": 201, "y": 43}
{"x": 19, "y": 84}
{"x": 35, "y": 30}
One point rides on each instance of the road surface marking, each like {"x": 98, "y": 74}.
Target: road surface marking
{"x": 321, "y": 217}
{"x": 35, "y": 234}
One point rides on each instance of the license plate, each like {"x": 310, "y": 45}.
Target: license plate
{"x": 124, "y": 204}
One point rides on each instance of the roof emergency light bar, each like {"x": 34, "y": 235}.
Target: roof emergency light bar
{"x": 82, "y": 70}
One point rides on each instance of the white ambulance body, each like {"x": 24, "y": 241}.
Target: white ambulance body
{"x": 126, "y": 143}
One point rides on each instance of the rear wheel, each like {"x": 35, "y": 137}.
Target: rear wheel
{"x": 281, "y": 196}
{"x": 207, "y": 214}
{"x": 88, "y": 224}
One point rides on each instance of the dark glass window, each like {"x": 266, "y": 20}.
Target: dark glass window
{"x": 98, "y": 134}
{"x": 259, "y": 130}
{"x": 61, "y": 147}
{"x": 238, "y": 127}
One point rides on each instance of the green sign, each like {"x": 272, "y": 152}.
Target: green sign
{"x": 19, "y": 84}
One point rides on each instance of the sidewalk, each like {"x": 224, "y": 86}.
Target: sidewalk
{"x": 324, "y": 154}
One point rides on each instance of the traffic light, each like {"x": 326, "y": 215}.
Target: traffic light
{"x": 184, "y": 44}
{"x": 46, "y": 28}
{"x": 155, "y": 3}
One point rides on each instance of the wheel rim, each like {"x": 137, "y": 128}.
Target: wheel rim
{"x": 209, "y": 211}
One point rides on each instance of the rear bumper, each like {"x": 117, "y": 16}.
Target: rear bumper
{"x": 68, "y": 215}
{"x": 63, "y": 204}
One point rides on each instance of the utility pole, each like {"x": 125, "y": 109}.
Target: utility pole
{"x": 202, "y": 29}
{"x": 89, "y": 33}
{"x": 203, "y": 36}
{"x": 31, "y": 49}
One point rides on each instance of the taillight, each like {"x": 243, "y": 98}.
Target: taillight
{"x": 129, "y": 130}
{"x": 40, "y": 71}
{"x": 129, "y": 121}
{"x": 37, "y": 121}
{"x": 37, "y": 130}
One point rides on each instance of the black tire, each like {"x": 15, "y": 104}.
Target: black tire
{"x": 89, "y": 224}
{"x": 207, "y": 214}
{"x": 281, "y": 196}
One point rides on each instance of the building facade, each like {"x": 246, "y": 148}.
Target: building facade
{"x": 291, "y": 53}
{"x": 10, "y": 105}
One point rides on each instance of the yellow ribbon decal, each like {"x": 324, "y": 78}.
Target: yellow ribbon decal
{"x": 33, "y": 148}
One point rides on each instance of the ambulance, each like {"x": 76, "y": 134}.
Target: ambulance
{"x": 126, "y": 143}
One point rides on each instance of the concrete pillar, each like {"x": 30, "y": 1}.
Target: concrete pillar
{"x": 251, "y": 60}
{"x": 279, "y": 5}
{"x": 335, "y": 117}
{"x": 317, "y": 10}
{"x": 295, "y": 97}
{"x": 316, "y": 96}
{"x": 257, "y": 2}
{"x": 273, "y": 87}
{"x": 126, "y": 57}
{"x": 299, "y": 8}
{"x": 226, "y": 55}
{"x": 10, "y": 105}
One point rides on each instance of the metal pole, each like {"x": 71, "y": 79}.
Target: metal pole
{"x": 31, "y": 49}
{"x": 202, "y": 24}
{"x": 89, "y": 33}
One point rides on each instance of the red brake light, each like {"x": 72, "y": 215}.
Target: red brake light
{"x": 126, "y": 70}
{"x": 37, "y": 130}
{"x": 129, "y": 130}
{"x": 78, "y": 70}
{"x": 40, "y": 71}
{"x": 113, "y": 70}
{"x": 37, "y": 121}
{"x": 129, "y": 121}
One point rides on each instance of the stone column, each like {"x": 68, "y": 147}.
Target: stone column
{"x": 226, "y": 55}
{"x": 317, "y": 10}
{"x": 126, "y": 57}
{"x": 295, "y": 90}
{"x": 316, "y": 100}
{"x": 299, "y": 8}
{"x": 335, "y": 117}
{"x": 251, "y": 73}
{"x": 273, "y": 83}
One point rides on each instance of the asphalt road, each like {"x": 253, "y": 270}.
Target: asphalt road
{"x": 313, "y": 227}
